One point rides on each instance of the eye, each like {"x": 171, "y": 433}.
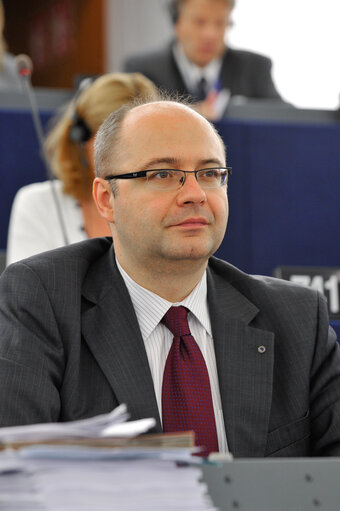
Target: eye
{"x": 210, "y": 174}
{"x": 198, "y": 22}
{"x": 161, "y": 175}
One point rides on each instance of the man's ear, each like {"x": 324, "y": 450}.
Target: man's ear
{"x": 103, "y": 197}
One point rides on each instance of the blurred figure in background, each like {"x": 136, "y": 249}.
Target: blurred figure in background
{"x": 9, "y": 79}
{"x": 34, "y": 223}
{"x": 198, "y": 63}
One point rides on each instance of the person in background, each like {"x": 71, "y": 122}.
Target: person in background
{"x": 151, "y": 319}
{"x": 34, "y": 222}
{"x": 9, "y": 78}
{"x": 199, "y": 64}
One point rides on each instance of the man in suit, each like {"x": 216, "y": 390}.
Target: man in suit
{"x": 199, "y": 64}
{"x": 85, "y": 327}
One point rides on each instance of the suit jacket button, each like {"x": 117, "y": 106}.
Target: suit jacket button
{"x": 261, "y": 349}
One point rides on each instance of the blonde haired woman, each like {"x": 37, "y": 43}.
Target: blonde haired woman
{"x": 35, "y": 225}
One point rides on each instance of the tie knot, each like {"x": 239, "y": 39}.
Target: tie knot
{"x": 176, "y": 321}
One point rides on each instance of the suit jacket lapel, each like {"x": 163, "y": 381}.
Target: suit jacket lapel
{"x": 111, "y": 330}
{"x": 245, "y": 369}
{"x": 231, "y": 76}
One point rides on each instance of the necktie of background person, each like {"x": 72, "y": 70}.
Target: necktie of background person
{"x": 186, "y": 393}
{"x": 201, "y": 91}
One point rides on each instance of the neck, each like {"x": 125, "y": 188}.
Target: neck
{"x": 172, "y": 283}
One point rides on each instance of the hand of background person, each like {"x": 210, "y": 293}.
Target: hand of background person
{"x": 207, "y": 107}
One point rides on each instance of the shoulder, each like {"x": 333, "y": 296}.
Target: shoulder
{"x": 72, "y": 261}
{"x": 149, "y": 59}
{"x": 247, "y": 57}
{"x": 38, "y": 197}
{"x": 52, "y": 285}
{"x": 41, "y": 190}
{"x": 263, "y": 291}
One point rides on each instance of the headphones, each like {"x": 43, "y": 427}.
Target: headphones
{"x": 79, "y": 131}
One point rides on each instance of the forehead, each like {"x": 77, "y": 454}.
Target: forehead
{"x": 204, "y": 6}
{"x": 168, "y": 130}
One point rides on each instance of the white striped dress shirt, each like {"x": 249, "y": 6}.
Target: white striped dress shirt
{"x": 192, "y": 74}
{"x": 150, "y": 309}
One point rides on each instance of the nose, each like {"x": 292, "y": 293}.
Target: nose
{"x": 191, "y": 192}
{"x": 209, "y": 31}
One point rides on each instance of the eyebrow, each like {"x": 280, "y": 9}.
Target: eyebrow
{"x": 175, "y": 162}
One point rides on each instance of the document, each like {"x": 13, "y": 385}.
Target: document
{"x": 98, "y": 464}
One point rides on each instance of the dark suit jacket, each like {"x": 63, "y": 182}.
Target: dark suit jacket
{"x": 243, "y": 73}
{"x": 71, "y": 347}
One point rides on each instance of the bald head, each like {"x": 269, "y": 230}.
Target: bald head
{"x": 162, "y": 110}
{"x": 141, "y": 128}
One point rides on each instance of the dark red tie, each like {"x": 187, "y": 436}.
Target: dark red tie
{"x": 186, "y": 394}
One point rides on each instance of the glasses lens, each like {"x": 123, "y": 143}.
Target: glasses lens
{"x": 212, "y": 178}
{"x": 165, "y": 179}
{"x": 168, "y": 179}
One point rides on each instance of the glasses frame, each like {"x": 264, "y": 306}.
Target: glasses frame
{"x": 143, "y": 173}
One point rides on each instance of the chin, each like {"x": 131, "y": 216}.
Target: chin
{"x": 187, "y": 248}
{"x": 193, "y": 253}
{"x": 205, "y": 59}
{"x": 203, "y": 62}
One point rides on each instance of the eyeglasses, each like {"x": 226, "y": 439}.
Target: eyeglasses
{"x": 173, "y": 179}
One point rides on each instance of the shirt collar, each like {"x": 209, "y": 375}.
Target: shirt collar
{"x": 192, "y": 74}
{"x": 150, "y": 308}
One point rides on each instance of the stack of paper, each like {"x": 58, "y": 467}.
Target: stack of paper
{"x": 84, "y": 466}
{"x": 110, "y": 424}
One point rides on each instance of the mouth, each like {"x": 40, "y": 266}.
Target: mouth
{"x": 208, "y": 48}
{"x": 192, "y": 223}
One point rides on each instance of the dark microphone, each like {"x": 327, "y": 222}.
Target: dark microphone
{"x": 24, "y": 68}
